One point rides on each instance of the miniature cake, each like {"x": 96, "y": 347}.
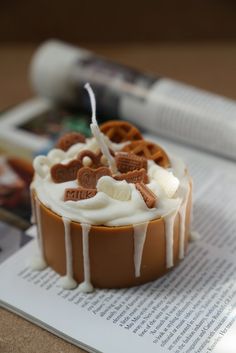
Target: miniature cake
{"x": 112, "y": 210}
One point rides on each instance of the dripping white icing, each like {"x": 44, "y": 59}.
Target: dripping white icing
{"x": 33, "y": 218}
{"x": 86, "y": 285}
{"x": 38, "y": 262}
{"x": 182, "y": 216}
{"x": 194, "y": 236}
{"x": 169, "y": 230}
{"x": 67, "y": 281}
{"x": 140, "y": 231}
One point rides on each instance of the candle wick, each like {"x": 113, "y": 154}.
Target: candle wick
{"x": 97, "y": 133}
{"x": 92, "y": 100}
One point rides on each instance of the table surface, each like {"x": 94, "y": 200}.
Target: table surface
{"x": 210, "y": 66}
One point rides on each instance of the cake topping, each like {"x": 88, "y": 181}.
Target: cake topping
{"x": 120, "y": 131}
{"x": 88, "y": 177}
{"x": 69, "y": 139}
{"x": 118, "y": 190}
{"x": 148, "y": 196}
{"x": 41, "y": 165}
{"x": 61, "y": 173}
{"x": 149, "y": 150}
{"x": 126, "y": 162}
{"x": 95, "y": 159}
{"x": 135, "y": 176}
{"x": 165, "y": 179}
{"x": 75, "y": 194}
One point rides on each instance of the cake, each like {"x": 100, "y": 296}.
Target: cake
{"x": 110, "y": 214}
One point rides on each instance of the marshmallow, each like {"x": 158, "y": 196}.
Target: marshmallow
{"x": 119, "y": 190}
{"x": 165, "y": 179}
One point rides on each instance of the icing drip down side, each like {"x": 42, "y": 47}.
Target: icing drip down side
{"x": 67, "y": 281}
{"x": 140, "y": 231}
{"x": 86, "y": 285}
{"x": 38, "y": 262}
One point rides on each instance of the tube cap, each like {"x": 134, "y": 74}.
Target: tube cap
{"x": 51, "y": 70}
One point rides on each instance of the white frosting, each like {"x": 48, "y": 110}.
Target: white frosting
{"x": 118, "y": 190}
{"x": 169, "y": 231}
{"x": 32, "y": 202}
{"x": 86, "y": 285}
{"x": 165, "y": 179}
{"x": 194, "y": 236}
{"x": 140, "y": 231}
{"x": 38, "y": 262}
{"x": 102, "y": 209}
{"x": 182, "y": 216}
{"x": 67, "y": 281}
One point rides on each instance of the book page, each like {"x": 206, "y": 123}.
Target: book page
{"x": 191, "y": 309}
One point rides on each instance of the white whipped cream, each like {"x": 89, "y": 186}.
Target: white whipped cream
{"x": 104, "y": 208}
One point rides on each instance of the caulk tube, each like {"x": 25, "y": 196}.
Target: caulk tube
{"x": 160, "y": 105}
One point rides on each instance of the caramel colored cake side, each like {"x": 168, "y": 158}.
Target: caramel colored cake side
{"x": 115, "y": 256}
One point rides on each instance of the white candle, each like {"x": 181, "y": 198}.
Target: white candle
{"x": 97, "y": 133}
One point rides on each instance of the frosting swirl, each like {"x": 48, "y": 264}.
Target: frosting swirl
{"x": 104, "y": 208}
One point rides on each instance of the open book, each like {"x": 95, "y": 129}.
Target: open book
{"x": 192, "y": 309}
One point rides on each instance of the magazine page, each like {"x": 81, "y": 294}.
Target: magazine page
{"x": 192, "y": 309}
